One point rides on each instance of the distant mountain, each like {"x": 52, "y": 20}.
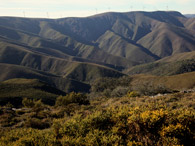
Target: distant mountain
{"x": 70, "y": 53}
{"x": 190, "y": 15}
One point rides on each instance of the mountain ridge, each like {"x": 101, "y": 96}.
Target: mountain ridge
{"x": 102, "y": 45}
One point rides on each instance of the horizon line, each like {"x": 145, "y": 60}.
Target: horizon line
{"x": 34, "y": 17}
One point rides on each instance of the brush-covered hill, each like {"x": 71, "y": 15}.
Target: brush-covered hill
{"x": 76, "y": 51}
{"x": 74, "y": 80}
{"x": 178, "y": 82}
{"x": 15, "y": 90}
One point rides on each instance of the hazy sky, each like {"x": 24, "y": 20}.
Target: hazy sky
{"x": 79, "y": 8}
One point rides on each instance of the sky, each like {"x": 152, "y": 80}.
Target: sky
{"x": 83, "y": 8}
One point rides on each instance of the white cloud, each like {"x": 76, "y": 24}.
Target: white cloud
{"x": 87, "y": 7}
{"x": 68, "y": 2}
{"x": 91, "y": 2}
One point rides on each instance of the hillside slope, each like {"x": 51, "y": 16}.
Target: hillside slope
{"x": 176, "y": 82}
{"x": 153, "y": 33}
{"x": 14, "y": 90}
{"x": 64, "y": 84}
{"x": 172, "y": 65}
{"x": 79, "y": 50}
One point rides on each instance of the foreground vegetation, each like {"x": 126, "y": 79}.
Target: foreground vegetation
{"x": 75, "y": 120}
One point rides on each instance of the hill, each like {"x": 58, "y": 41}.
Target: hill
{"x": 150, "y": 33}
{"x": 190, "y": 15}
{"x": 76, "y": 78}
{"x": 64, "y": 84}
{"x": 176, "y": 82}
{"x": 76, "y": 51}
{"x": 14, "y": 90}
{"x": 163, "y": 68}
{"x": 176, "y": 64}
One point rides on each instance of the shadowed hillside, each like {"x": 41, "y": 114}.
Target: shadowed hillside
{"x": 64, "y": 84}
{"x": 14, "y": 90}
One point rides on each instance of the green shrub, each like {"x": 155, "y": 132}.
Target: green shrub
{"x": 140, "y": 121}
{"x": 150, "y": 88}
{"x": 72, "y": 98}
{"x": 119, "y": 91}
{"x": 133, "y": 94}
{"x": 37, "y": 123}
{"x": 28, "y": 103}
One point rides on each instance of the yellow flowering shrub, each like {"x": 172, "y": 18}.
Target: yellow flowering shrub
{"x": 132, "y": 94}
{"x": 138, "y": 122}
{"x": 133, "y": 143}
{"x": 153, "y": 117}
{"x": 173, "y": 130}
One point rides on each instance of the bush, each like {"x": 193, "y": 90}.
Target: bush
{"x": 37, "y": 123}
{"x": 119, "y": 91}
{"x": 106, "y": 83}
{"x": 72, "y": 98}
{"x": 150, "y": 88}
{"x": 133, "y": 94}
{"x": 138, "y": 122}
{"x": 28, "y": 103}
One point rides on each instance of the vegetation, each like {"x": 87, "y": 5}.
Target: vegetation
{"x": 14, "y": 90}
{"x": 72, "y": 98}
{"x": 164, "y": 68}
{"x": 129, "y": 120}
{"x": 76, "y": 92}
{"x": 167, "y": 83}
{"x": 108, "y": 87}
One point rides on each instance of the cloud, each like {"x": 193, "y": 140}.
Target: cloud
{"x": 86, "y": 3}
{"x": 87, "y": 7}
{"x": 167, "y": 1}
{"x": 92, "y": 3}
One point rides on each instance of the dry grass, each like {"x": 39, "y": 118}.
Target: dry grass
{"x": 176, "y": 82}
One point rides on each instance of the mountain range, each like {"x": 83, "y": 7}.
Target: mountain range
{"x": 190, "y": 15}
{"x": 70, "y": 53}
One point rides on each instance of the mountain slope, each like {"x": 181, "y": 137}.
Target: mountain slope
{"x": 78, "y": 34}
{"x": 190, "y": 15}
{"x": 88, "y": 72}
{"x": 14, "y": 90}
{"x": 22, "y": 55}
{"x": 64, "y": 84}
{"x": 111, "y": 42}
{"x": 157, "y": 32}
{"x": 172, "y": 65}
{"x": 71, "y": 52}
{"x": 176, "y": 82}
{"x": 166, "y": 41}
